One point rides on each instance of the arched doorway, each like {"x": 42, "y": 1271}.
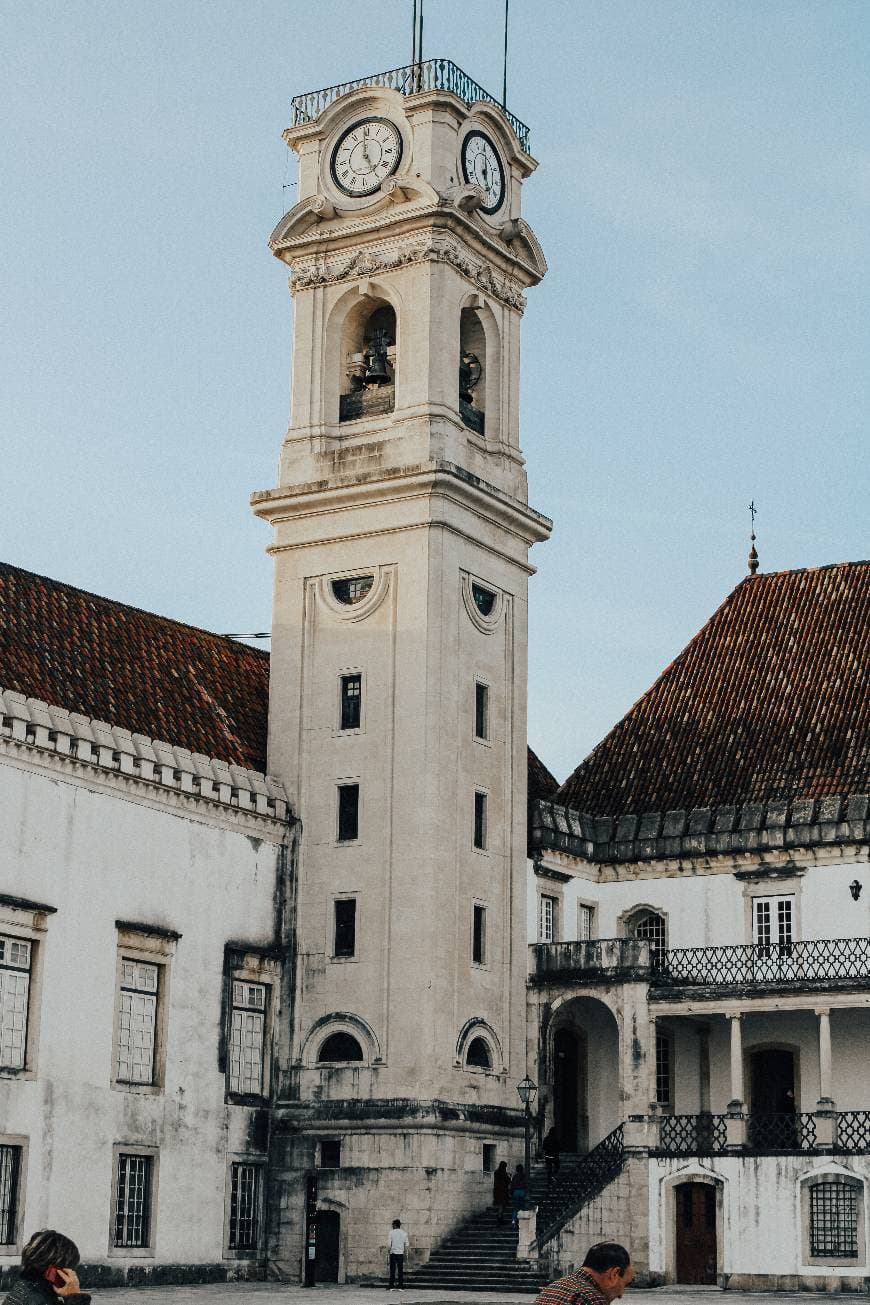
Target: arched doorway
{"x": 569, "y": 1090}
{"x": 695, "y": 1226}
{"x": 327, "y": 1245}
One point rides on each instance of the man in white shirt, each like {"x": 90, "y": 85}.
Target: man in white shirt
{"x": 398, "y": 1244}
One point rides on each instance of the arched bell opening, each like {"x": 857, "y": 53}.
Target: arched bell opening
{"x": 368, "y": 352}
{"x": 472, "y": 371}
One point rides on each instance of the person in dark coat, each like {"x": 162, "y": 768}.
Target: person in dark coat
{"x": 501, "y": 1191}
{"x": 519, "y": 1188}
{"x": 551, "y": 1153}
{"x": 48, "y": 1270}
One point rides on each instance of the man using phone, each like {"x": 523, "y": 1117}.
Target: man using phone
{"x": 48, "y": 1270}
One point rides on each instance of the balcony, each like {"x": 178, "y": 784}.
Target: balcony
{"x": 846, "y": 1132}
{"x": 796, "y": 966}
{"x": 427, "y": 75}
{"x": 820, "y": 965}
{"x": 601, "y": 960}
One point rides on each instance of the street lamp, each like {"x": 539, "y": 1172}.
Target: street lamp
{"x": 527, "y": 1091}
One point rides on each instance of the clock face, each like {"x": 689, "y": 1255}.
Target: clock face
{"x": 366, "y": 155}
{"x": 482, "y": 166}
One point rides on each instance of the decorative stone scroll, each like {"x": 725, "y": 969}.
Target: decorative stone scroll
{"x": 320, "y": 269}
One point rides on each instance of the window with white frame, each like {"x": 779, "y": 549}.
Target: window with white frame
{"x": 651, "y": 926}
{"x": 137, "y": 1021}
{"x": 15, "y": 958}
{"x": 133, "y": 1193}
{"x": 10, "y": 1187}
{"x": 585, "y": 922}
{"x": 773, "y": 924}
{"x": 245, "y": 1206}
{"x": 247, "y": 1038}
{"x": 548, "y": 918}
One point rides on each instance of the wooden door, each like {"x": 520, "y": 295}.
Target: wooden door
{"x": 328, "y": 1225}
{"x": 695, "y": 1216}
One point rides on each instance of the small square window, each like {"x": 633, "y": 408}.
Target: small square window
{"x": 480, "y": 821}
{"x": 330, "y": 1153}
{"x": 351, "y": 701}
{"x": 478, "y": 942}
{"x": 489, "y": 1150}
{"x": 834, "y": 1220}
{"x": 345, "y": 927}
{"x": 481, "y": 711}
{"x": 348, "y": 812}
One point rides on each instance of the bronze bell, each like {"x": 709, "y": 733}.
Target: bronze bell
{"x": 376, "y": 359}
{"x": 470, "y": 372}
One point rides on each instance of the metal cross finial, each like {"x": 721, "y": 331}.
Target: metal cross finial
{"x": 753, "y": 555}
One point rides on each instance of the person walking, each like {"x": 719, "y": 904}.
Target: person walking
{"x": 603, "y": 1277}
{"x": 501, "y": 1191}
{"x": 519, "y": 1190}
{"x": 551, "y": 1153}
{"x": 398, "y": 1245}
{"x": 48, "y": 1270}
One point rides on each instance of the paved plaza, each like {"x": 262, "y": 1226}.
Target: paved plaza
{"x": 270, "y": 1293}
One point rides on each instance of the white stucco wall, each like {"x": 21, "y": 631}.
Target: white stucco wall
{"x": 97, "y": 857}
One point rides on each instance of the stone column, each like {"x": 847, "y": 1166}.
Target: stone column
{"x": 736, "y": 1123}
{"x": 736, "y": 1102}
{"x": 825, "y": 1076}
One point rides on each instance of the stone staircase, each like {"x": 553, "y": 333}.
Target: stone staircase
{"x": 479, "y": 1256}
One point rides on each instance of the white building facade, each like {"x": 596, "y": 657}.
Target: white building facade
{"x": 292, "y": 985}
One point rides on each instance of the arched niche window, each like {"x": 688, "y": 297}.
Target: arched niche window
{"x": 339, "y": 1047}
{"x": 478, "y": 1055}
{"x": 649, "y": 926}
{"x": 368, "y": 347}
{"x": 472, "y": 371}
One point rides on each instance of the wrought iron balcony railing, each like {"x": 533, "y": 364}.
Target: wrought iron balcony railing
{"x": 766, "y": 1134}
{"x": 693, "y": 1134}
{"x": 429, "y": 75}
{"x": 792, "y": 965}
{"x": 778, "y": 964}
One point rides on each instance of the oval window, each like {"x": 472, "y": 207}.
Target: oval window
{"x": 484, "y": 599}
{"x": 353, "y": 589}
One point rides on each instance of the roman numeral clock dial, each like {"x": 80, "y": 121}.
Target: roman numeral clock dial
{"x": 482, "y": 166}
{"x": 365, "y": 155}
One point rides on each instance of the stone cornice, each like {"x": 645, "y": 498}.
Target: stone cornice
{"x": 319, "y": 268}
{"x": 104, "y": 757}
{"x": 775, "y": 827}
{"x": 423, "y": 481}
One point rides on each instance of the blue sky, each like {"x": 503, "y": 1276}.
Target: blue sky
{"x": 702, "y": 337}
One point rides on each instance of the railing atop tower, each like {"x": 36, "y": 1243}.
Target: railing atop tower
{"x": 429, "y": 75}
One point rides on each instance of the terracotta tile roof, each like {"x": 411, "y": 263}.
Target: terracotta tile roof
{"x": 541, "y": 783}
{"x": 771, "y": 699}
{"x": 146, "y": 673}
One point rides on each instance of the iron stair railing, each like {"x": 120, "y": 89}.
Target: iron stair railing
{"x": 575, "y": 1187}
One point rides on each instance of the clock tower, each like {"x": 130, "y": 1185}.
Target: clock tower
{"x": 401, "y": 534}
